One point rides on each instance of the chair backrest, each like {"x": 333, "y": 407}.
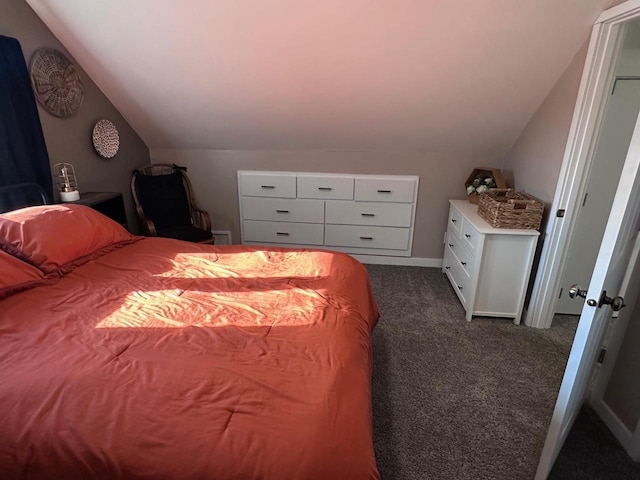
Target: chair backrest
{"x": 162, "y": 192}
{"x": 21, "y": 195}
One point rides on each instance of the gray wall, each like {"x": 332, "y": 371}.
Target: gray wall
{"x": 533, "y": 163}
{"x": 442, "y": 176}
{"x": 69, "y": 139}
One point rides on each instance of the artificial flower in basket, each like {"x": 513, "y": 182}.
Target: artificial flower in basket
{"x": 481, "y": 184}
{"x": 481, "y": 180}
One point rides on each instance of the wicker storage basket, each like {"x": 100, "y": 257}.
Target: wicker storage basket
{"x": 504, "y": 208}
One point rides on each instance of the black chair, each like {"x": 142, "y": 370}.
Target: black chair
{"x": 165, "y": 205}
{"x": 19, "y": 195}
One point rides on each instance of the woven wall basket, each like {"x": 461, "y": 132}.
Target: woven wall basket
{"x": 56, "y": 84}
{"x": 106, "y": 139}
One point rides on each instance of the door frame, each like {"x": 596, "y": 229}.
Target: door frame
{"x": 597, "y": 79}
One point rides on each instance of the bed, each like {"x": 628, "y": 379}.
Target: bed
{"x": 129, "y": 357}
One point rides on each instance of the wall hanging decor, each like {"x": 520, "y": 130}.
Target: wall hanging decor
{"x": 56, "y": 84}
{"x": 106, "y": 140}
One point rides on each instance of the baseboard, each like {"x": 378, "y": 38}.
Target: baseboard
{"x": 403, "y": 261}
{"x": 615, "y": 425}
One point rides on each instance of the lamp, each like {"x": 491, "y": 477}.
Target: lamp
{"x": 65, "y": 177}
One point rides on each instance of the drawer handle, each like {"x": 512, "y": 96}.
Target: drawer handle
{"x": 459, "y": 287}
{"x": 284, "y": 234}
{"x": 451, "y": 245}
{"x": 368, "y": 214}
{"x": 366, "y": 238}
{"x": 282, "y": 211}
{"x": 453, "y": 220}
{"x": 384, "y": 191}
{"x": 268, "y": 186}
{"x": 467, "y": 235}
{"x": 325, "y": 189}
{"x": 463, "y": 263}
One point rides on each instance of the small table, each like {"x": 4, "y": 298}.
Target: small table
{"x": 110, "y": 204}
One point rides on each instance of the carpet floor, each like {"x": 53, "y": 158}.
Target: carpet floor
{"x": 454, "y": 399}
{"x": 592, "y": 452}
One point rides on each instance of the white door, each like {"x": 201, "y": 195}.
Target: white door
{"x": 616, "y": 394}
{"x": 613, "y": 142}
{"x": 611, "y": 264}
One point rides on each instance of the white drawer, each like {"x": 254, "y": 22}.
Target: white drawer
{"x": 366, "y": 237}
{"x": 470, "y": 237}
{"x": 369, "y": 213}
{"x": 283, "y": 210}
{"x": 384, "y": 190}
{"x": 457, "y": 278}
{"x": 455, "y": 222}
{"x": 325, "y": 187}
{"x": 283, "y": 232}
{"x": 268, "y": 185}
{"x": 463, "y": 257}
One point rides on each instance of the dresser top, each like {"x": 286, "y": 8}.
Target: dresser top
{"x": 470, "y": 211}
{"x": 333, "y": 175}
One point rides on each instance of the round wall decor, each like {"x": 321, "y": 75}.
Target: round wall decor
{"x": 56, "y": 84}
{"x": 106, "y": 140}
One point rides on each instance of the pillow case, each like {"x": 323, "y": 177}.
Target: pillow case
{"x": 52, "y": 236}
{"x": 16, "y": 275}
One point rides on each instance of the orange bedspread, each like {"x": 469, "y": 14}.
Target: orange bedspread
{"x": 168, "y": 360}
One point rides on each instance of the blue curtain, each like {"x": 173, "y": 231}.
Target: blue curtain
{"x": 23, "y": 152}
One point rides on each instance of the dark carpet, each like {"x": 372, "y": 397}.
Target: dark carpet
{"x": 592, "y": 452}
{"x": 454, "y": 399}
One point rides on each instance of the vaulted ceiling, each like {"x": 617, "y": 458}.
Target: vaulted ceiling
{"x": 419, "y": 75}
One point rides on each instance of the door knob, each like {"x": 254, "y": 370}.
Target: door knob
{"x": 575, "y": 291}
{"x": 617, "y": 303}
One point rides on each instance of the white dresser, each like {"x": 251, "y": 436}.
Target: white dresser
{"x": 488, "y": 267}
{"x": 357, "y": 214}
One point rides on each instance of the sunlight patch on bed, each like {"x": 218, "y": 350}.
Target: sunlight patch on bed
{"x": 273, "y": 265}
{"x": 167, "y": 309}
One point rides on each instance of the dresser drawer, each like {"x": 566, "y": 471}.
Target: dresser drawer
{"x": 455, "y": 222}
{"x": 384, "y": 190}
{"x": 283, "y": 210}
{"x": 457, "y": 278}
{"x": 369, "y": 213}
{"x": 366, "y": 237}
{"x": 325, "y": 187}
{"x": 283, "y": 232}
{"x": 463, "y": 257}
{"x": 470, "y": 237}
{"x": 268, "y": 185}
